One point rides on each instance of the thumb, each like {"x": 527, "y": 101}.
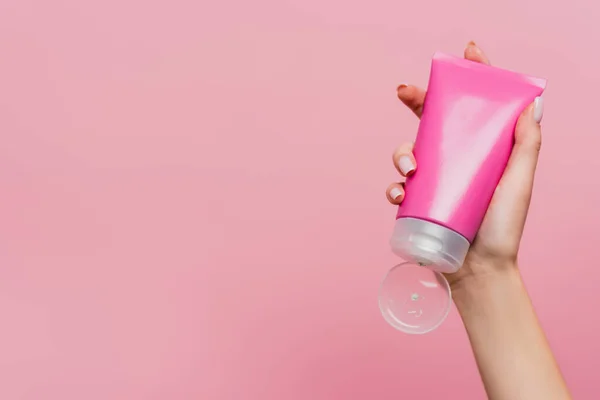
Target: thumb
{"x": 516, "y": 184}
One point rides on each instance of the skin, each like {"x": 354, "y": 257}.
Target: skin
{"x": 513, "y": 356}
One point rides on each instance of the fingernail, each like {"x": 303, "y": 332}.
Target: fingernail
{"x": 406, "y": 165}
{"x": 538, "y": 109}
{"x": 474, "y": 47}
{"x": 395, "y": 193}
{"x": 401, "y": 86}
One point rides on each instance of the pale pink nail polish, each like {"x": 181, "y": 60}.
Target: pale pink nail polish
{"x": 538, "y": 109}
{"x": 395, "y": 193}
{"x": 406, "y": 165}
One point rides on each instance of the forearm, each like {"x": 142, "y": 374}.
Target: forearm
{"x": 512, "y": 353}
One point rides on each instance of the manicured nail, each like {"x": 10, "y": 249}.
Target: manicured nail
{"x": 538, "y": 109}
{"x": 406, "y": 165}
{"x": 395, "y": 193}
{"x": 475, "y": 48}
{"x": 401, "y": 86}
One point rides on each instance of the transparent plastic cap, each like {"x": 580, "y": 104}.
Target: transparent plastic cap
{"x": 426, "y": 243}
{"x": 415, "y": 297}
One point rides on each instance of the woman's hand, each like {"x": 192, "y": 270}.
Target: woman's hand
{"x": 496, "y": 245}
{"x": 513, "y": 356}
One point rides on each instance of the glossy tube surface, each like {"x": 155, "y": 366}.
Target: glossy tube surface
{"x": 464, "y": 141}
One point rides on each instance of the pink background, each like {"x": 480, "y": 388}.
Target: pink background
{"x": 193, "y": 195}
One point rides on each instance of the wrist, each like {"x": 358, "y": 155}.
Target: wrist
{"x": 476, "y": 289}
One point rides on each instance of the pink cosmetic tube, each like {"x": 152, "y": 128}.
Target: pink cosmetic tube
{"x": 464, "y": 140}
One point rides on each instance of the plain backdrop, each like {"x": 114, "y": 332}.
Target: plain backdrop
{"x": 193, "y": 195}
